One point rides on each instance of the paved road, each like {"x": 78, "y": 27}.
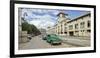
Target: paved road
{"x": 38, "y": 43}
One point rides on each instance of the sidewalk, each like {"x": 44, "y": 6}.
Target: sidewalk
{"x": 77, "y": 41}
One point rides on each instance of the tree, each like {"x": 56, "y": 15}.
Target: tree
{"x": 30, "y": 28}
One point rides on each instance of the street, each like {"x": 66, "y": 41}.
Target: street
{"x": 38, "y": 43}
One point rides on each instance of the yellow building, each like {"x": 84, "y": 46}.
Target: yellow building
{"x": 80, "y": 26}
{"x": 61, "y": 24}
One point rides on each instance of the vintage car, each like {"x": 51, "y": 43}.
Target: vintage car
{"x": 53, "y": 39}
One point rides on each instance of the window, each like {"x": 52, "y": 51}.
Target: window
{"x": 70, "y": 27}
{"x": 89, "y": 31}
{"x": 76, "y": 26}
{"x": 62, "y": 15}
{"x": 88, "y": 24}
{"x": 65, "y": 32}
{"x": 82, "y": 24}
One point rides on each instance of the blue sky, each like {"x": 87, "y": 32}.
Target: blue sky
{"x": 42, "y": 18}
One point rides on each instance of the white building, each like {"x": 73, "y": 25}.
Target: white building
{"x": 80, "y": 26}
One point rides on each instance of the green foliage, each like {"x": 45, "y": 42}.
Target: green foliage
{"x": 31, "y": 29}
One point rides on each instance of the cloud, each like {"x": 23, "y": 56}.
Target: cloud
{"x": 35, "y": 13}
{"x": 43, "y": 21}
{"x": 43, "y": 18}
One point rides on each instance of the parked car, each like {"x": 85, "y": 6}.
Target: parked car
{"x": 53, "y": 39}
{"x": 44, "y": 37}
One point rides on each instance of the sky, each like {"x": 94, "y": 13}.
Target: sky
{"x": 43, "y": 18}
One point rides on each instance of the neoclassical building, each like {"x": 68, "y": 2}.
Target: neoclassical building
{"x": 80, "y": 26}
{"x": 61, "y": 23}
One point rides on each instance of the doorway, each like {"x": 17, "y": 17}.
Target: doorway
{"x": 71, "y": 33}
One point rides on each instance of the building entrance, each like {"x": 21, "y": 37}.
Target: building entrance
{"x": 71, "y": 33}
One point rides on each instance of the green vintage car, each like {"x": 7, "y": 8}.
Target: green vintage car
{"x": 53, "y": 39}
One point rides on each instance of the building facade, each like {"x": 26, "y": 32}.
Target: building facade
{"x": 61, "y": 24}
{"x": 80, "y": 26}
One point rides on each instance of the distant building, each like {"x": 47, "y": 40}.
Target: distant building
{"x": 43, "y": 32}
{"x": 51, "y": 30}
{"x": 22, "y": 34}
{"x": 80, "y": 26}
